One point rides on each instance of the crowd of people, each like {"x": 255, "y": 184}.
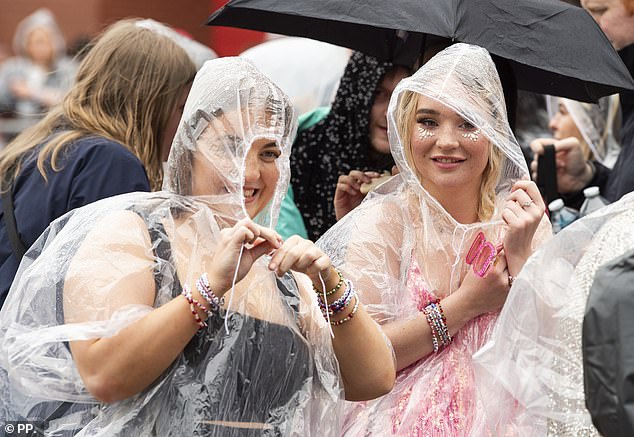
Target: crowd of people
{"x": 182, "y": 253}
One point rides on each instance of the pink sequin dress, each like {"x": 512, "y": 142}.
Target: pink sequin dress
{"x": 434, "y": 396}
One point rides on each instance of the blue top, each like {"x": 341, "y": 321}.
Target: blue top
{"x": 92, "y": 168}
{"x": 290, "y": 221}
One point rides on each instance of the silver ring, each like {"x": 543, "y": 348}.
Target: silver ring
{"x": 526, "y": 204}
{"x": 511, "y": 280}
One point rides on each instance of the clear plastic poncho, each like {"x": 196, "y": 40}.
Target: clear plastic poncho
{"x": 531, "y": 371}
{"x": 402, "y": 249}
{"x": 274, "y": 369}
{"x": 595, "y": 123}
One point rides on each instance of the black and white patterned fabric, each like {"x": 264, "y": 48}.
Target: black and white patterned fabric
{"x": 337, "y": 144}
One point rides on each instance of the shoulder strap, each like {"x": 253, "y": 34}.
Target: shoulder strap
{"x": 162, "y": 251}
{"x": 18, "y": 246}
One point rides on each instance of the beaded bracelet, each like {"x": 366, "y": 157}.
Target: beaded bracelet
{"x": 334, "y": 290}
{"x": 338, "y": 305}
{"x": 441, "y": 331}
{"x": 202, "y": 284}
{"x": 437, "y": 321}
{"x": 349, "y": 316}
{"x": 193, "y": 304}
{"x": 434, "y": 334}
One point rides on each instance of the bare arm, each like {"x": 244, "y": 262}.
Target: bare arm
{"x": 412, "y": 339}
{"x": 119, "y": 272}
{"x": 524, "y": 211}
{"x": 364, "y": 356}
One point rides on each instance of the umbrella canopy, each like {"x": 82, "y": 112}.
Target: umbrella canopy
{"x": 553, "y": 47}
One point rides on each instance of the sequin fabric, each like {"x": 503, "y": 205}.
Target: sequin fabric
{"x": 534, "y": 356}
{"x": 337, "y": 144}
{"x": 613, "y": 239}
{"x": 435, "y": 396}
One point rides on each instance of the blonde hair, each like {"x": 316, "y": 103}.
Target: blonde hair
{"x": 405, "y": 116}
{"x": 126, "y": 89}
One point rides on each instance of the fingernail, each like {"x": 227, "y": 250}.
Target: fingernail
{"x": 272, "y": 266}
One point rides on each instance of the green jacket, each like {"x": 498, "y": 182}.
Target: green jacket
{"x": 290, "y": 221}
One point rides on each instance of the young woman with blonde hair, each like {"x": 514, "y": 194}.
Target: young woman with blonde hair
{"x": 434, "y": 250}
{"x": 109, "y": 136}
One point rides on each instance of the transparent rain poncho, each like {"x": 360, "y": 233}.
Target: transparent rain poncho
{"x": 272, "y": 365}
{"x": 402, "y": 249}
{"x": 531, "y": 372}
{"x": 595, "y": 123}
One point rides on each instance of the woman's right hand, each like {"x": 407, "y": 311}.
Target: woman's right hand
{"x": 489, "y": 293}
{"x": 348, "y": 193}
{"x": 573, "y": 172}
{"x": 260, "y": 240}
{"x": 303, "y": 256}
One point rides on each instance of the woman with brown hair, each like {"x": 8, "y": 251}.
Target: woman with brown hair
{"x": 181, "y": 312}
{"x": 109, "y": 136}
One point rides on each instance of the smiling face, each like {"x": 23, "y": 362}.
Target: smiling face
{"x": 447, "y": 152}
{"x": 261, "y": 175}
{"x": 214, "y": 169}
{"x": 378, "y": 112}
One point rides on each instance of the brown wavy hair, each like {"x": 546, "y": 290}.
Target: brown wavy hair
{"x": 126, "y": 89}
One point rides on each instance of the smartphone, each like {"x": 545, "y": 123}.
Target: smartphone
{"x": 547, "y": 174}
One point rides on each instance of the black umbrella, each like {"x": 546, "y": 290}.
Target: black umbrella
{"x": 552, "y": 47}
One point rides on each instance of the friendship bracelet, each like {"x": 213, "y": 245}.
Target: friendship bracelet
{"x": 334, "y": 290}
{"x": 437, "y": 321}
{"x": 432, "y": 325}
{"x": 193, "y": 304}
{"x": 441, "y": 321}
{"x": 340, "y": 304}
{"x": 202, "y": 284}
{"x": 349, "y": 316}
{"x": 441, "y": 324}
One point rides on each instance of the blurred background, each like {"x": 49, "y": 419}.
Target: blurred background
{"x": 81, "y": 19}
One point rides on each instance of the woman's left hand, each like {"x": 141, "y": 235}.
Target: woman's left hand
{"x": 523, "y": 210}
{"x": 303, "y": 256}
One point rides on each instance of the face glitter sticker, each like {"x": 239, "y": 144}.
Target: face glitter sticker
{"x": 424, "y": 133}
{"x": 473, "y": 136}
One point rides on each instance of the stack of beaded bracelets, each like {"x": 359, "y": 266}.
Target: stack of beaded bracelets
{"x": 340, "y": 304}
{"x": 435, "y": 316}
{"x": 213, "y": 301}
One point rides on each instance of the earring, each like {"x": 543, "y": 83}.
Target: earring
{"x": 424, "y": 133}
{"x": 473, "y": 136}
